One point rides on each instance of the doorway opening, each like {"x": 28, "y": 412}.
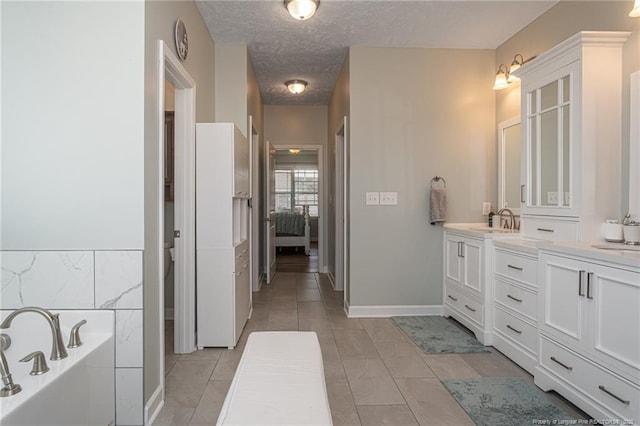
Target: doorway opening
{"x": 298, "y": 208}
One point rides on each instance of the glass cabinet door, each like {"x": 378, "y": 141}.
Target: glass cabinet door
{"x": 548, "y": 144}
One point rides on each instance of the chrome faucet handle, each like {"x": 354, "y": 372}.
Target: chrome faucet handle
{"x": 39, "y": 363}
{"x": 9, "y": 388}
{"x": 74, "y": 337}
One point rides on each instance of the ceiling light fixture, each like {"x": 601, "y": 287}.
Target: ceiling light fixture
{"x": 296, "y": 86}
{"x": 301, "y": 9}
{"x": 501, "y": 78}
{"x": 515, "y": 65}
{"x": 635, "y": 12}
{"x": 294, "y": 150}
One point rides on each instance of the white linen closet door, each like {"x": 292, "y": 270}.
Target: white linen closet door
{"x": 270, "y": 209}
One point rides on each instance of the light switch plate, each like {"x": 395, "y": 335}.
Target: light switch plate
{"x": 486, "y": 208}
{"x": 373, "y": 198}
{"x": 389, "y": 198}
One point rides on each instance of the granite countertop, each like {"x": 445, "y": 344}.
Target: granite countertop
{"x": 480, "y": 230}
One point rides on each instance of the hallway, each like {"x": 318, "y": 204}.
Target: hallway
{"x": 374, "y": 374}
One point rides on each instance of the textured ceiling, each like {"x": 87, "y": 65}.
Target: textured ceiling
{"x": 282, "y": 48}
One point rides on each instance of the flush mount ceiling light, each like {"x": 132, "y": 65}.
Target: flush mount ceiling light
{"x": 515, "y": 65}
{"x": 301, "y": 9}
{"x": 635, "y": 12}
{"x": 501, "y": 78}
{"x": 294, "y": 150}
{"x": 296, "y": 86}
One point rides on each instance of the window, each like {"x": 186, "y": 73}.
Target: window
{"x": 296, "y": 188}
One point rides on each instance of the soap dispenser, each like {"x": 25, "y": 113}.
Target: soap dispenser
{"x": 491, "y": 214}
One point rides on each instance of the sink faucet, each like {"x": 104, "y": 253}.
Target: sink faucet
{"x": 512, "y": 217}
{"x": 58, "y": 350}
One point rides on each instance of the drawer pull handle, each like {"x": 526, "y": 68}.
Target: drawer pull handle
{"x": 517, "y": 268}
{"x": 239, "y": 273}
{"x": 546, "y": 230}
{"x": 580, "y": 281}
{"x": 514, "y": 298}
{"x": 469, "y": 308}
{"x": 513, "y": 329}
{"x": 608, "y": 392}
{"x": 452, "y": 298}
{"x": 522, "y": 200}
{"x": 563, "y": 365}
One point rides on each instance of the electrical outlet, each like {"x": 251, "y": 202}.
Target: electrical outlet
{"x": 567, "y": 198}
{"x": 389, "y": 198}
{"x": 552, "y": 198}
{"x": 373, "y": 198}
{"x": 486, "y": 208}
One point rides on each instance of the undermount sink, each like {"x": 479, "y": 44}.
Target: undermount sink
{"x": 617, "y": 247}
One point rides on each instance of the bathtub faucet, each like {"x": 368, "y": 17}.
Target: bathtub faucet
{"x": 58, "y": 350}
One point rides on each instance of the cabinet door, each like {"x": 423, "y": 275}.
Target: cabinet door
{"x": 453, "y": 259}
{"x": 472, "y": 260}
{"x": 563, "y": 310}
{"x": 550, "y": 108}
{"x": 614, "y": 299}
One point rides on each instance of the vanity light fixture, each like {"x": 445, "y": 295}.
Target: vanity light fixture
{"x": 294, "y": 151}
{"x": 301, "y": 9}
{"x": 515, "y": 65}
{"x": 501, "y": 78}
{"x": 635, "y": 12}
{"x": 296, "y": 86}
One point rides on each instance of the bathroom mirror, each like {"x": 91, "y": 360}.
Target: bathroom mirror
{"x": 509, "y": 164}
{"x": 634, "y": 148}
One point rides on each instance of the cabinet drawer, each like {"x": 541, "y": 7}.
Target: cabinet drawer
{"x": 465, "y": 305}
{"x": 612, "y": 392}
{"x": 516, "y": 329}
{"x": 520, "y": 300}
{"x": 549, "y": 229}
{"x": 519, "y": 268}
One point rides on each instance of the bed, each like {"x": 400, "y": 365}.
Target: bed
{"x": 293, "y": 229}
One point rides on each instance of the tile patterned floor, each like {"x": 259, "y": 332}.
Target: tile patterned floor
{"x": 375, "y": 375}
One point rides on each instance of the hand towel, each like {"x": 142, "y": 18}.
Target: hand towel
{"x": 438, "y": 205}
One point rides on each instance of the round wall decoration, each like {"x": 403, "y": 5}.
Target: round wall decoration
{"x": 182, "y": 41}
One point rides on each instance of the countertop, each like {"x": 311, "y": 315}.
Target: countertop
{"x": 512, "y": 239}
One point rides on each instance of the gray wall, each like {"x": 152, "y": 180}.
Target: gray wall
{"x": 159, "y": 24}
{"x": 415, "y": 113}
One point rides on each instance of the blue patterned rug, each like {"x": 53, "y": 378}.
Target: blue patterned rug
{"x": 438, "y": 335}
{"x": 494, "y": 401}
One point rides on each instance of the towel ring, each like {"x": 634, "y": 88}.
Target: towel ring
{"x": 436, "y": 179}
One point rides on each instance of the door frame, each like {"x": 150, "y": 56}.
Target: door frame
{"x": 170, "y": 69}
{"x": 322, "y": 208}
{"x": 341, "y": 252}
{"x": 254, "y": 194}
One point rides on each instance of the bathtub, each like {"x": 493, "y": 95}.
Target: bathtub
{"x": 77, "y": 390}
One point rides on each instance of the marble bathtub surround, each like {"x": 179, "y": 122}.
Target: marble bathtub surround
{"x": 129, "y": 338}
{"x": 118, "y": 279}
{"x": 49, "y": 279}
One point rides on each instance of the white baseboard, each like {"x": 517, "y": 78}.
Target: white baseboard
{"x": 153, "y": 406}
{"x": 392, "y": 311}
{"x": 332, "y": 279}
{"x": 168, "y": 313}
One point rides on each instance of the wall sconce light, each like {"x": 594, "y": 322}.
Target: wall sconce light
{"x": 302, "y": 9}
{"x": 516, "y": 64}
{"x": 501, "y": 78}
{"x": 294, "y": 151}
{"x": 296, "y": 86}
{"x": 635, "y": 12}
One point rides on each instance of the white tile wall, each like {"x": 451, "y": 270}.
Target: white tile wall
{"x": 129, "y": 338}
{"x": 87, "y": 280}
{"x": 129, "y": 384}
{"x": 49, "y": 279}
{"x": 118, "y": 279}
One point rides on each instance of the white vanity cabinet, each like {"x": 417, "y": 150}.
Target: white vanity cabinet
{"x": 589, "y": 322}
{"x": 464, "y": 280}
{"x": 515, "y": 301}
{"x": 222, "y": 234}
{"x": 571, "y": 137}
